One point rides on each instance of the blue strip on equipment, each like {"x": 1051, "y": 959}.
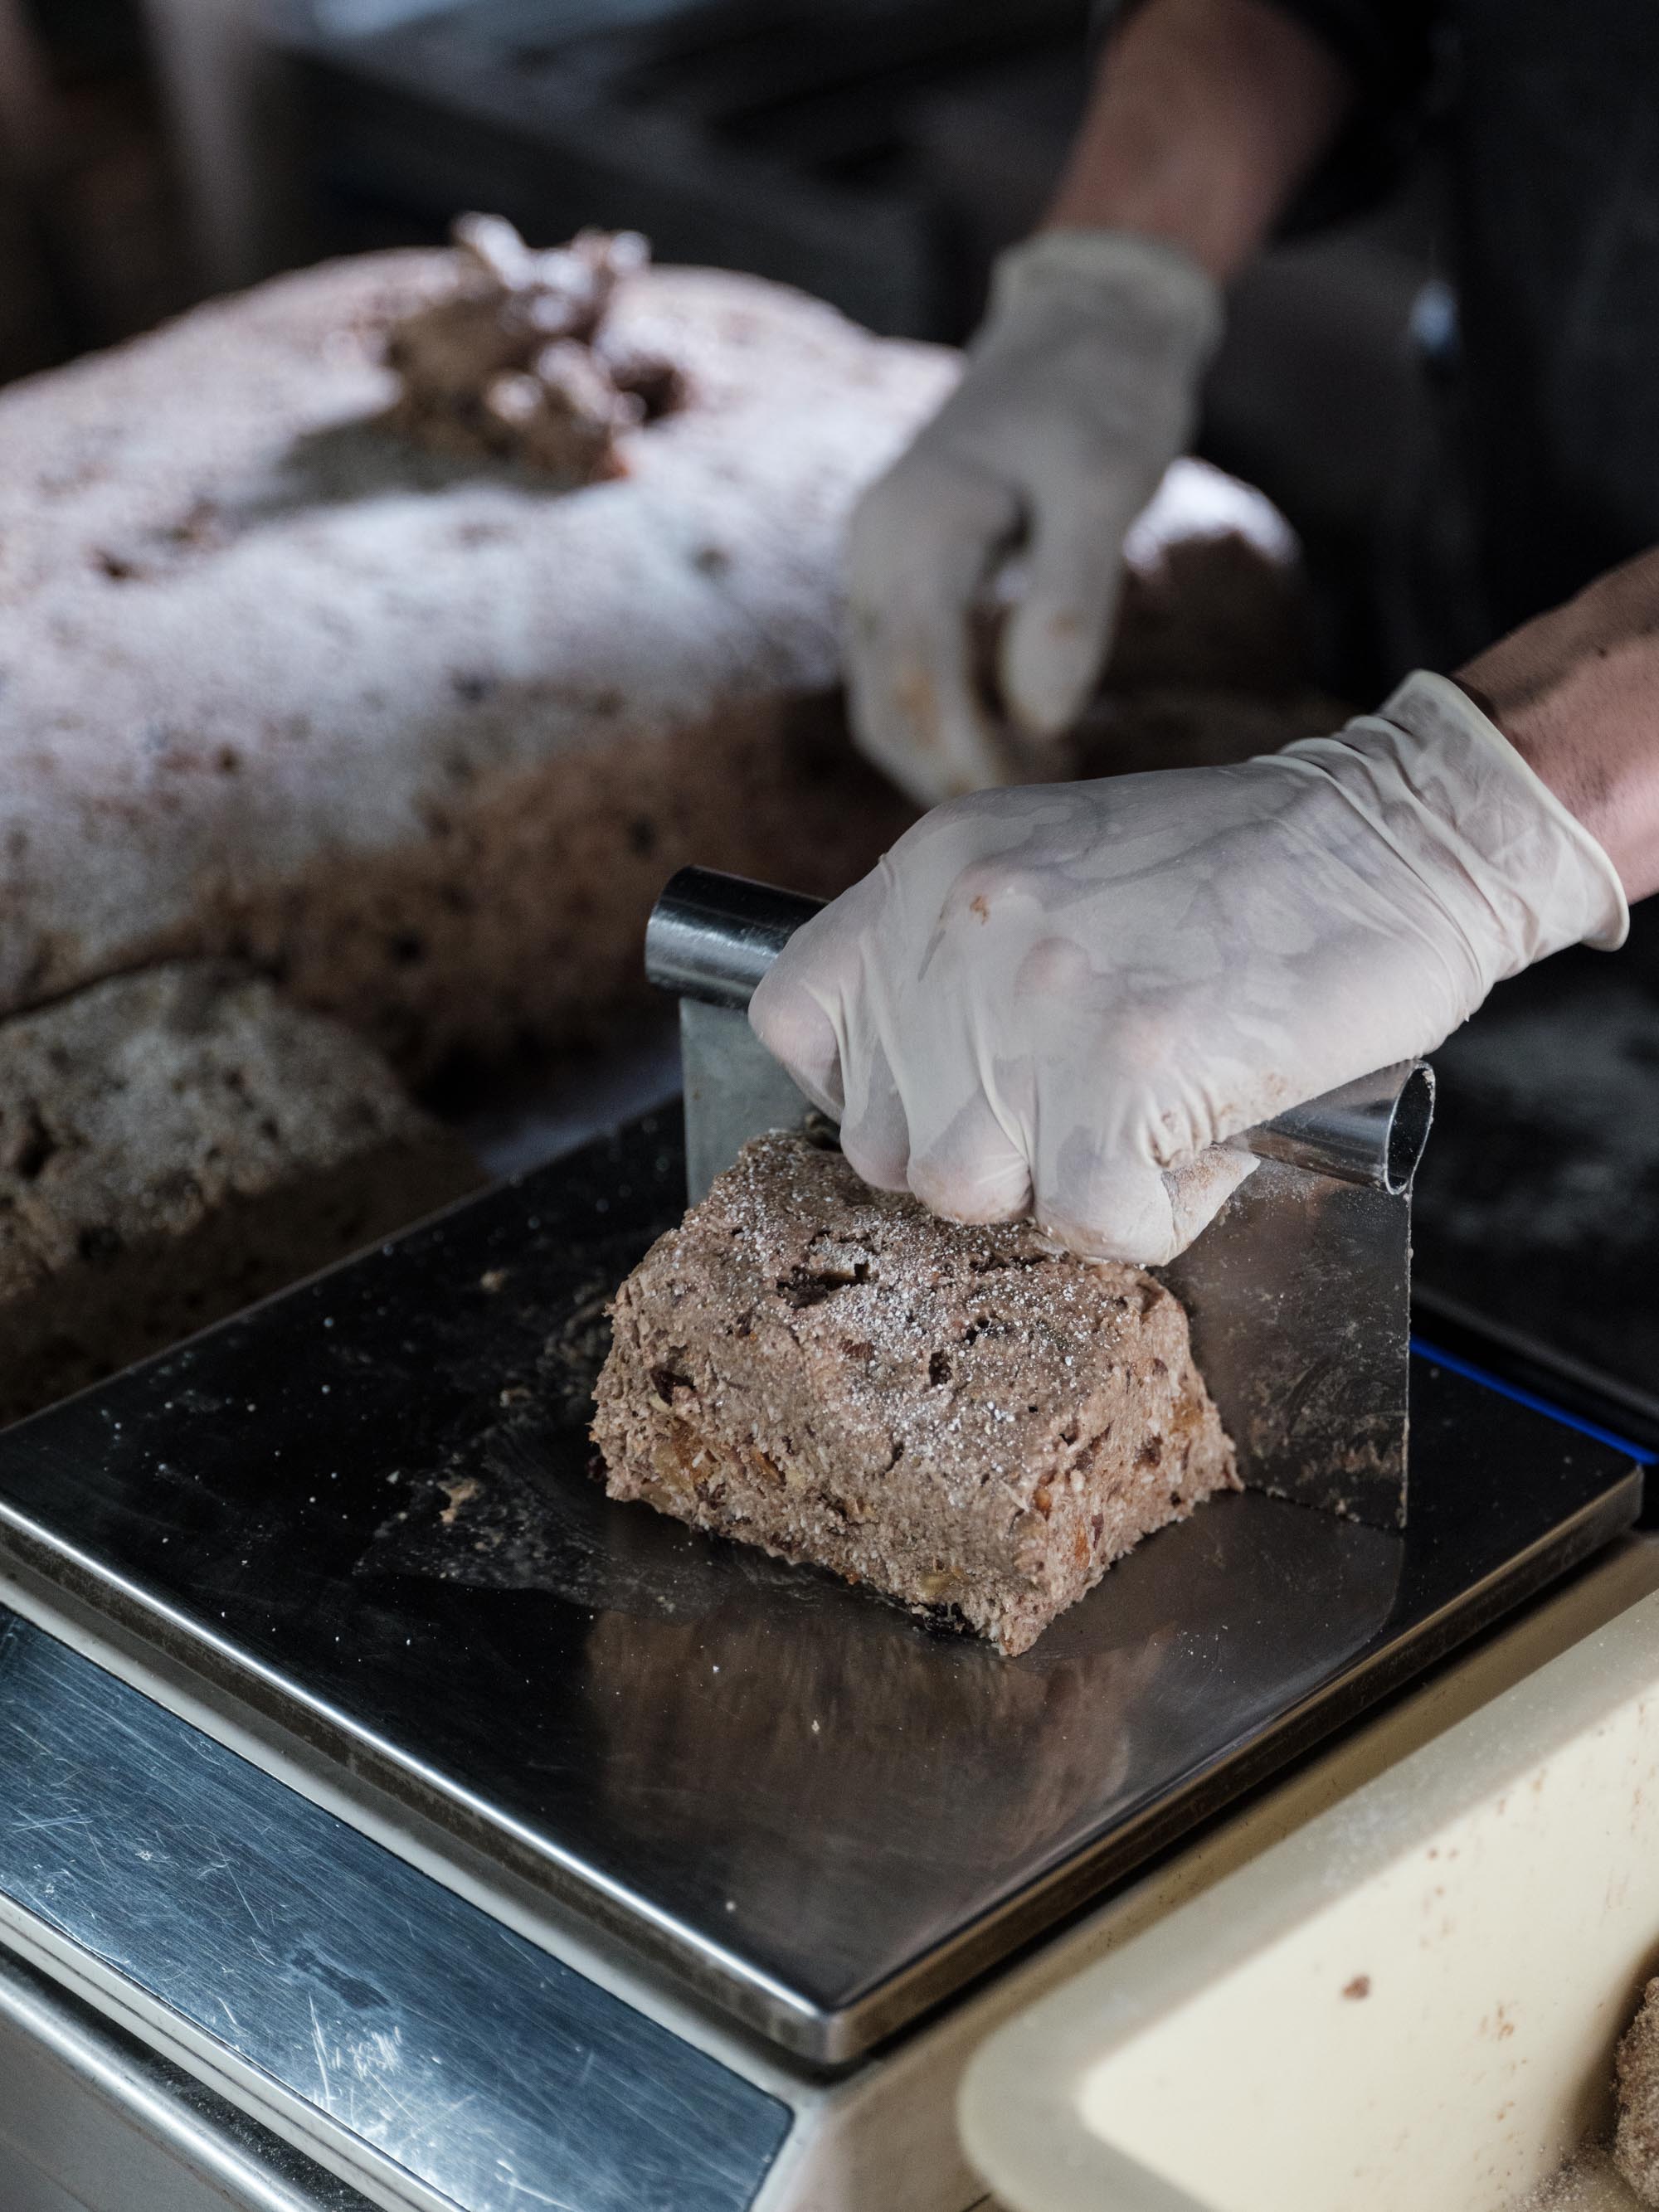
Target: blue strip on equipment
{"x": 1641, "y": 1453}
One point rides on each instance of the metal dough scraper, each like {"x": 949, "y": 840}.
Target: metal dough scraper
{"x": 1300, "y": 1290}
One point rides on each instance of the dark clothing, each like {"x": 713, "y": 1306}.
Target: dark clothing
{"x": 1549, "y": 426}
{"x": 1394, "y": 54}
{"x": 1553, "y": 114}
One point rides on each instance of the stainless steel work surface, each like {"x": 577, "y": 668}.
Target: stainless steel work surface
{"x": 365, "y": 1511}
{"x": 391, "y": 2028}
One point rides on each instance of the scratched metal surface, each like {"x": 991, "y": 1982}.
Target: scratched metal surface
{"x": 92, "y": 2117}
{"x": 821, "y": 1815}
{"x": 461, "y": 2053}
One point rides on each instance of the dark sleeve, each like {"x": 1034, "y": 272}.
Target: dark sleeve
{"x": 1392, "y": 51}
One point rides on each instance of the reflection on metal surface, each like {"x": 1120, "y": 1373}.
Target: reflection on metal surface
{"x": 1300, "y": 1298}
{"x": 621, "y": 1712}
{"x": 719, "y": 1682}
{"x": 1301, "y": 1292}
{"x": 981, "y": 1776}
{"x": 460, "y": 2053}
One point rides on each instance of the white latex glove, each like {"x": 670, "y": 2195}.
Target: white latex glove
{"x": 1078, "y": 392}
{"x": 1062, "y": 999}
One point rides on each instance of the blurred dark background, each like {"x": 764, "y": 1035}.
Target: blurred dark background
{"x": 877, "y": 152}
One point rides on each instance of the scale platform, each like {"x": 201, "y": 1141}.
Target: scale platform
{"x": 356, "y": 1534}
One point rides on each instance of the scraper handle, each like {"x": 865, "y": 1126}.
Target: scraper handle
{"x": 713, "y": 937}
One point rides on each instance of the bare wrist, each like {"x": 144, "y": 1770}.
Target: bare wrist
{"x": 1576, "y": 694}
{"x": 1207, "y": 115}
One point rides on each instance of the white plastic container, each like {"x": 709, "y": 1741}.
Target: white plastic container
{"x": 1410, "y": 2005}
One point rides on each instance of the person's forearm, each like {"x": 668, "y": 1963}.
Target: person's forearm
{"x": 1576, "y": 694}
{"x": 1206, "y": 116}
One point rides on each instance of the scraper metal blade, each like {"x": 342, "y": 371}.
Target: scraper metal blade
{"x": 1299, "y": 1292}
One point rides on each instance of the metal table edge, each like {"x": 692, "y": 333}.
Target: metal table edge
{"x": 211, "y": 2136}
{"x": 679, "y": 1986}
{"x": 56, "y": 1579}
{"x": 298, "y": 2123}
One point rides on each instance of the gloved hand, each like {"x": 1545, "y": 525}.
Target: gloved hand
{"x": 1078, "y": 392}
{"x": 1062, "y": 999}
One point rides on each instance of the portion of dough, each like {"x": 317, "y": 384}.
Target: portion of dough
{"x": 1636, "y": 2147}
{"x": 971, "y": 1425}
{"x": 176, "y": 1143}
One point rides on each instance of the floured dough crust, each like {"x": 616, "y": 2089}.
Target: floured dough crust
{"x": 971, "y": 1425}
{"x": 422, "y": 734}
